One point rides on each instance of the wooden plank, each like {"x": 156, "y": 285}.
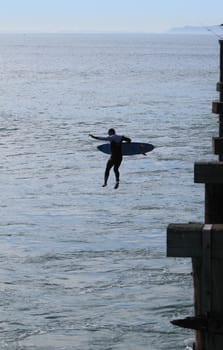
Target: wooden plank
{"x": 184, "y": 240}
{"x": 189, "y": 240}
{"x": 208, "y": 172}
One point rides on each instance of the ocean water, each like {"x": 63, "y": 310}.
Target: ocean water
{"x": 85, "y": 267}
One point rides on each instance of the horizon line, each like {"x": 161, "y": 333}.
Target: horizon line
{"x": 172, "y": 30}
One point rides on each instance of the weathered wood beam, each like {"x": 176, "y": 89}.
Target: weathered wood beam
{"x": 188, "y": 240}
{"x": 208, "y": 172}
{"x": 184, "y": 240}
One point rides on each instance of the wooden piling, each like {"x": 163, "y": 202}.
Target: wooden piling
{"x": 217, "y": 145}
{"x": 204, "y": 244}
{"x": 217, "y": 106}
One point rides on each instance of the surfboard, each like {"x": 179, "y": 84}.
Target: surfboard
{"x": 129, "y": 149}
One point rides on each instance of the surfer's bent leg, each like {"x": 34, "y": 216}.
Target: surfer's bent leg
{"x": 109, "y": 165}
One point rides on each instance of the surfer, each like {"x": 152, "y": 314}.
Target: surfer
{"x": 116, "y": 154}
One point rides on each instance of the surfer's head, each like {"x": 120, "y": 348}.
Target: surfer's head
{"x": 111, "y": 132}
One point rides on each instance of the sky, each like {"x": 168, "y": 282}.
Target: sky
{"x": 107, "y": 15}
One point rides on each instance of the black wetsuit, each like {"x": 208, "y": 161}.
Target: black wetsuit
{"x": 116, "y": 154}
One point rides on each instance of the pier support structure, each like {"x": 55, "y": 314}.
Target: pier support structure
{"x": 204, "y": 244}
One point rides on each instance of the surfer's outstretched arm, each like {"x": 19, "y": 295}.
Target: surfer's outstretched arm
{"x": 100, "y": 138}
{"x": 93, "y": 137}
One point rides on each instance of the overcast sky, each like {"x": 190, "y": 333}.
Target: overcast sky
{"x": 107, "y": 15}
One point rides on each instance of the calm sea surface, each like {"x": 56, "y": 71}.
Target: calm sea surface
{"x": 84, "y": 267}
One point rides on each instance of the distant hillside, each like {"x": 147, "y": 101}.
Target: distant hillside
{"x": 197, "y": 30}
